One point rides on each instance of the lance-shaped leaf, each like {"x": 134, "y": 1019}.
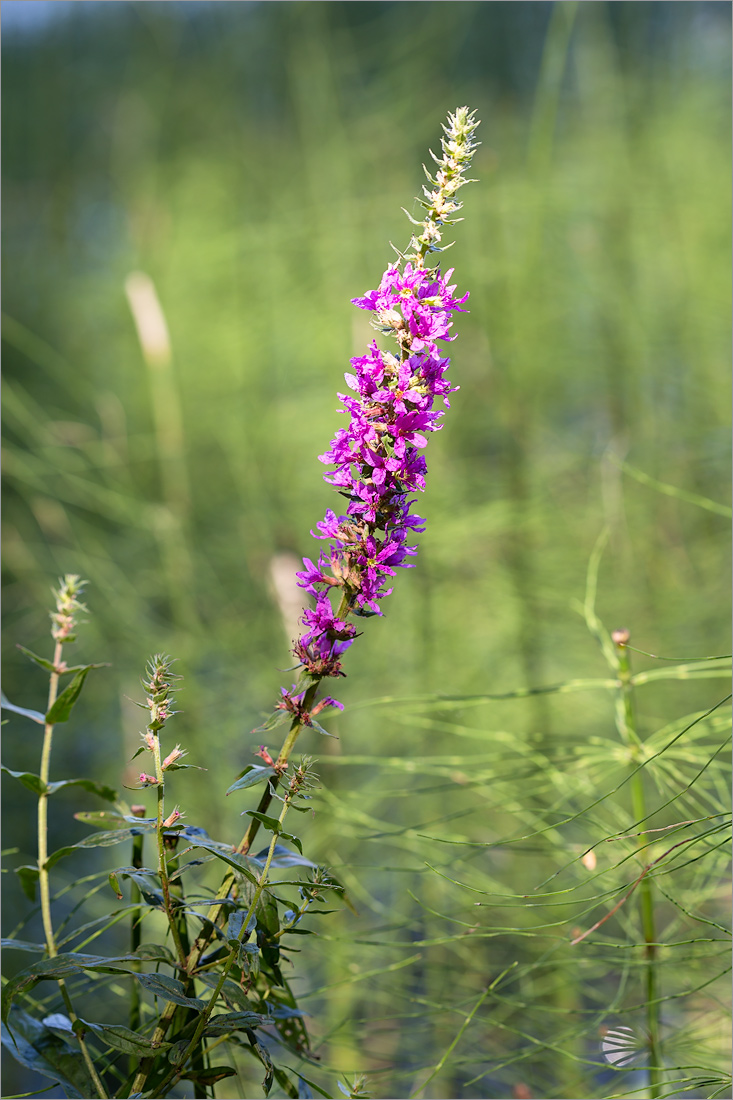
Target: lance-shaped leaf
{"x": 275, "y": 720}
{"x": 283, "y": 857}
{"x": 208, "y": 1077}
{"x": 103, "y": 819}
{"x": 28, "y": 876}
{"x": 101, "y": 840}
{"x": 100, "y": 789}
{"x": 235, "y": 1021}
{"x": 28, "y": 779}
{"x": 51, "y": 667}
{"x": 170, "y": 989}
{"x": 9, "y": 944}
{"x": 239, "y": 863}
{"x": 253, "y": 773}
{"x": 121, "y": 1038}
{"x": 62, "y": 708}
{"x": 69, "y": 963}
{"x": 264, "y": 1057}
{"x": 35, "y": 783}
{"x": 270, "y": 823}
{"x": 141, "y": 876}
{"x": 33, "y": 714}
{"x": 231, "y": 992}
{"x": 37, "y": 1048}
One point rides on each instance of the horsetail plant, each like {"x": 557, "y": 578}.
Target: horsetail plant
{"x": 235, "y": 961}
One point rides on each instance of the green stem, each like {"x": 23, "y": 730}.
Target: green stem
{"x": 627, "y": 726}
{"x": 206, "y": 1014}
{"x": 162, "y": 864}
{"x": 43, "y": 884}
{"x": 43, "y": 880}
{"x": 247, "y": 840}
{"x": 135, "y": 897}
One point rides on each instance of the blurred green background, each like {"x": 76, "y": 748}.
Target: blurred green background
{"x": 252, "y": 160}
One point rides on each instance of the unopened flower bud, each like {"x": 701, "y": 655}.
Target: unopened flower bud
{"x": 172, "y": 818}
{"x": 148, "y": 780}
{"x": 173, "y": 757}
{"x": 67, "y": 607}
{"x": 621, "y": 637}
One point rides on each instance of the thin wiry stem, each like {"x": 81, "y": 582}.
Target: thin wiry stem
{"x": 627, "y": 726}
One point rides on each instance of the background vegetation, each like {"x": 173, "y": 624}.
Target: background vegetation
{"x": 252, "y": 159}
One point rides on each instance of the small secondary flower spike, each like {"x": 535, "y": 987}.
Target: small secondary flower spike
{"x": 378, "y": 461}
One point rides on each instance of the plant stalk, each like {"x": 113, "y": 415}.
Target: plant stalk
{"x": 646, "y": 899}
{"x": 43, "y": 882}
{"x": 162, "y": 863}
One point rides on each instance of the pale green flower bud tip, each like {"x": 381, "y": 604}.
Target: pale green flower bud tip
{"x": 439, "y": 199}
{"x": 68, "y": 606}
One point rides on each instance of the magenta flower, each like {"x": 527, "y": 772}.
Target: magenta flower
{"x": 377, "y": 462}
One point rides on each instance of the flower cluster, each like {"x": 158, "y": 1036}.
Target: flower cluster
{"x": 67, "y": 608}
{"x": 377, "y": 461}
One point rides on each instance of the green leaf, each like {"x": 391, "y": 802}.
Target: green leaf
{"x": 88, "y": 785}
{"x": 28, "y": 779}
{"x": 207, "y": 1077}
{"x": 312, "y": 1084}
{"x": 105, "y": 818}
{"x": 234, "y": 925}
{"x": 235, "y": 1021}
{"x": 42, "y": 661}
{"x": 264, "y": 1057}
{"x": 37, "y": 1048}
{"x": 35, "y": 783}
{"x": 28, "y": 876}
{"x": 231, "y": 993}
{"x": 177, "y": 1052}
{"x": 73, "y": 962}
{"x": 62, "y": 708}
{"x": 121, "y": 1038}
{"x": 233, "y": 859}
{"x": 253, "y": 773}
{"x": 61, "y": 1026}
{"x": 293, "y": 840}
{"x": 270, "y": 823}
{"x": 141, "y": 877}
{"x": 275, "y": 720}
{"x": 170, "y": 989}
{"x": 319, "y": 727}
{"x": 7, "y": 705}
{"x": 101, "y": 840}
{"x": 8, "y": 944}
{"x": 50, "y": 667}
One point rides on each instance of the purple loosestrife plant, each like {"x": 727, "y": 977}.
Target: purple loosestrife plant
{"x": 234, "y": 966}
{"x": 378, "y": 461}
{"x": 378, "y": 465}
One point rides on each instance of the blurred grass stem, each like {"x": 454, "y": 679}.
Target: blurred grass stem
{"x": 627, "y": 727}
{"x": 169, "y": 521}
